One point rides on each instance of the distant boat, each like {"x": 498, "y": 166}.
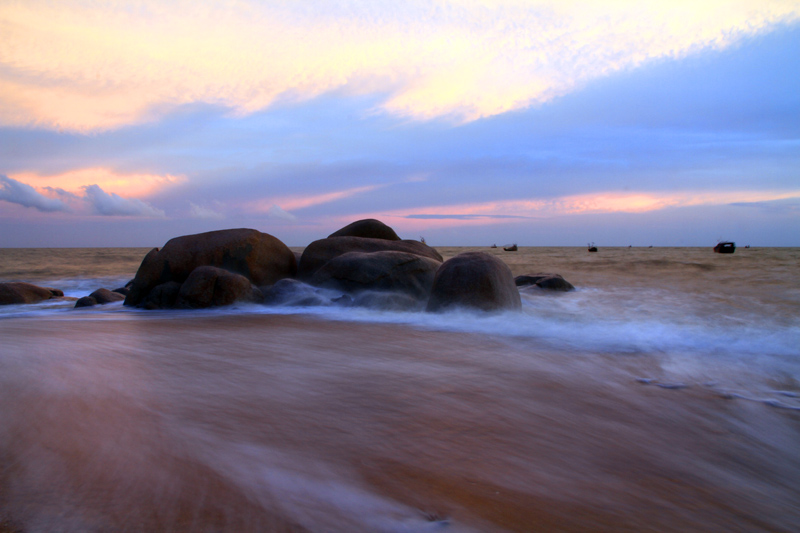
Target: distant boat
{"x": 493, "y": 246}
{"x": 512, "y": 248}
{"x": 592, "y": 247}
{"x": 725, "y": 248}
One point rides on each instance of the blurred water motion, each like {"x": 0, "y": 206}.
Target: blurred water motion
{"x": 287, "y": 423}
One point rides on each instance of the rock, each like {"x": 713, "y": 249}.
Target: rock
{"x": 551, "y": 282}
{"x": 369, "y": 228}
{"x": 99, "y": 297}
{"x": 162, "y": 296}
{"x": 474, "y": 279}
{"x": 86, "y": 301}
{"x": 122, "y": 290}
{"x": 105, "y": 296}
{"x": 320, "y": 252}
{"x": 292, "y": 292}
{"x": 387, "y": 301}
{"x": 259, "y": 257}
{"x": 209, "y": 286}
{"x": 19, "y": 292}
{"x": 393, "y": 271}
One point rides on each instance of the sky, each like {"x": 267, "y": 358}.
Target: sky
{"x": 464, "y": 122}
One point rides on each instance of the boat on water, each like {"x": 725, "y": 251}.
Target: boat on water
{"x": 592, "y": 247}
{"x": 725, "y": 247}
{"x": 512, "y": 248}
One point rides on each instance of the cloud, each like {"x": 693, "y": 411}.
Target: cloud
{"x": 206, "y": 213}
{"x": 23, "y": 194}
{"x": 123, "y": 183}
{"x": 112, "y": 204}
{"x": 94, "y": 66}
{"x": 277, "y": 212}
{"x": 461, "y": 217}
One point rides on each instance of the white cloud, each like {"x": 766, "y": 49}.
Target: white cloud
{"x": 197, "y": 211}
{"x": 277, "y": 212}
{"x": 88, "y": 66}
{"x": 112, "y": 204}
{"x": 23, "y": 194}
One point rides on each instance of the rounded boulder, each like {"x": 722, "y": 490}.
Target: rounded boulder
{"x": 388, "y": 270}
{"x": 318, "y": 253}
{"x": 19, "y": 292}
{"x": 474, "y": 280}
{"x": 368, "y": 228}
{"x": 209, "y": 286}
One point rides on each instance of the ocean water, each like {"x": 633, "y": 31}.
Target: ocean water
{"x": 662, "y": 394}
{"x": 688, "y": 302}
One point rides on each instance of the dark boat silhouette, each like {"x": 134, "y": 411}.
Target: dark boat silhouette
{"x": 725, "y": 247}
{"x": 512, "y": 248}
{"x": 592, "y": 247}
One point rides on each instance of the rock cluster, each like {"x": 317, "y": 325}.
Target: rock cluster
{"x": 363, "y": 264}
{"x": 242, "y": 261}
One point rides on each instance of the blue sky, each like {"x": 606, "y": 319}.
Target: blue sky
{"x": 466, "y": 122}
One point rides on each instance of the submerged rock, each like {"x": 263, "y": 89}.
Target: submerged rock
{"x": 475, "y": 280}
{"x": 19, "y": 292}
{"x": 259, "y": 257}
{"x": 551, "y": 282}
{"x": 99, "y": 297}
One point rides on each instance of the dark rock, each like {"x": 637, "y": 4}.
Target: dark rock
{"x": 86, "y": 301}
{"x": 259, "y": 257}
{"x": 19, "y": 292}
{"x": 393, "y": 271}
{"x": 105, "y": 296}
{"x": 477, "y": 280}
{"x": 292, "y": 292}
{"x": 369, "y": 228}
{"x": 209, "y": 286}
{"x": 320, "y": 252}
{"x": 388, "y": 301}
{"x": 122, "y": 290}
{"x": 551, "y": 282}
{"x": 162, "y": 296}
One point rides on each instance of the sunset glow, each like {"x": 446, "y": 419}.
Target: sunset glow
{"x": 296, "y": 117}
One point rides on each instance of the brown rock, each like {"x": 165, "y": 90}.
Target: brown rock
{"x": 477, "y": 280}
{"x": 320, "y": 252}
{"x": 209, "y": 286}
{"x": 259, "y": 257}
{"x": 368, "y": 228}
{"x": 394, "y": 271}
{"x": 162, "y": 296}
{"x": 19, "y": 292}
{"x": 105, "y": 296}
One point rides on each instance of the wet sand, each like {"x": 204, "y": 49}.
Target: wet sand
{"x": 170, "y": 422}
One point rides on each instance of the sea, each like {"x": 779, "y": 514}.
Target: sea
{"x": 662, "y": 394}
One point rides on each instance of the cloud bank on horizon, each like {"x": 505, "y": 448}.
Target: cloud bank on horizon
{"x": 441, "y": 117}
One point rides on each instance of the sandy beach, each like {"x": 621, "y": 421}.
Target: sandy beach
{"x": 174, "y": 422}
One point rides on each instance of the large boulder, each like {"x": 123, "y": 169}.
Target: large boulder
{"x": 369, "y": 228}
{"x": 550, "y": 282}
{"x": 209, "y": 286}
{"x": 19, "y": 292}
{"x": 320, "y": 252}
{"x": 475, "y": 280}
{"x": 387, "y": 270}
{"x": 259, "y": 257}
